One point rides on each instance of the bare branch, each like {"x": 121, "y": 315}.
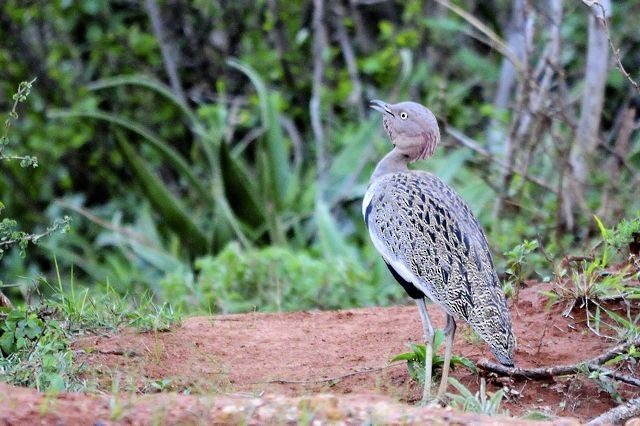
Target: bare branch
{"x": 619, "y": 414}
{"x": 165, "y": 49}
{"x": 594, "y": 364}
{"x": 349, "y": 58}
{"x": 474, "y": 146}
{"x": 4, "y": 301}
{"x": 319, "y": 47}
{"x": 616, "y": 52}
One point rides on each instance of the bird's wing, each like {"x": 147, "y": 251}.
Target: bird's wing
{"x": 428, "y": 235}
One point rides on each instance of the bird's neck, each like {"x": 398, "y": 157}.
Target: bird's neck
{"x": 393, "y": 162}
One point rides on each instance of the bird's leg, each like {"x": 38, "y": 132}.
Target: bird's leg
{"x": 449, "y": 332}
{"x": 428, "y": 340}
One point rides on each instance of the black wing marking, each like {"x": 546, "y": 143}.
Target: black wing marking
{"x": 411, "y": 289}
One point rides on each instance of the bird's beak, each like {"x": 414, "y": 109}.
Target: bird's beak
{"x": 379, "y": 105}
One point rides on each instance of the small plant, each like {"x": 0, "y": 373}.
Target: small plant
{"x": 10, "y": 235}
{"x": 274, "y": 279}
{"x": 21, "y": 95}
{"x": 632, "y": 356}
{"x": 585, "y": 281}
{"x": 35, "y": 350}
{"x": 516, "y": 271}
{"x": 479, "y": 402}
{"x": 606, "y": 383}
{"x": 35, "y": 342}
{"x": 416, "y": 358}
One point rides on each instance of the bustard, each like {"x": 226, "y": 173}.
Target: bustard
{"x": 430, "y": 240}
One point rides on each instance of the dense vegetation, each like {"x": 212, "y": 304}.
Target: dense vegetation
{"x": 215, "y": 153}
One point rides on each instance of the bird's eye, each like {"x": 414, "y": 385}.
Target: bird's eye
{"x": 403, "y": 115}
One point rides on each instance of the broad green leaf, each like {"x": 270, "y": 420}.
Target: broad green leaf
{"x": 277, "y": 151}
{"x": 331, "y": 238}
{"x": 165, "y": 203}
{"x": 161, "y": 146}
{"x": 241, "y": 189}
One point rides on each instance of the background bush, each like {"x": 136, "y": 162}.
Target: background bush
{"x": 200, "y": 174}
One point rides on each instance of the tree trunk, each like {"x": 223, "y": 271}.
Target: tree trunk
{"x": 587, "y": 133}
{"x": 515, "y": 35}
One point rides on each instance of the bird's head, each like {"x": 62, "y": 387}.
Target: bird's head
{"x": 413, "y": 128}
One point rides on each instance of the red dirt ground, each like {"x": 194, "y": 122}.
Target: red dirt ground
{"x": 304, "y": 366}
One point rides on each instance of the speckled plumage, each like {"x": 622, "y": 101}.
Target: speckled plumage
{"x": 430, "y": 240}
{"x": 418, "y": 221}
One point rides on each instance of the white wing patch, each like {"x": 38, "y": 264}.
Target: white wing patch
{"x": 398, "y": 265}
{"x": 367, "y": 199}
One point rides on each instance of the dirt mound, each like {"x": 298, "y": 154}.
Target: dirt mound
{"x": 322, "y": 365}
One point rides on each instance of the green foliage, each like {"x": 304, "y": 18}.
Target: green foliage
{"x": 587, "y": 281}
{"x": 34, "y": 350}
{"x": 24, "y": 89}
{"x": 270, "y": 279}
{"x": 626, "y": 232}
{"x": 632, "y": 356}
{"x": 416, "y": 358}
{"x": 605, "y": 382}
{"x": 35, "y": 341}
{"x": 537, "y": 416}
{"x": 479, "y": 402}
{"x": 516, "y": 271}
{"x": 235, "y": 159}
{"x": 10, "y": 235}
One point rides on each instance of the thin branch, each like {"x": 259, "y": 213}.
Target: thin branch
{"x": 34, "y": 238}
{"x": 474, "y": 146}
{"x": 349, "y": 59}
{"x": 4, "y": 301}
{"x": 594, "y": 364}
{"x": 319, "y": 47}
{"x": 616, "y": 52}
{"x": 165, "y": 49}
{"x": 619, "y": 414}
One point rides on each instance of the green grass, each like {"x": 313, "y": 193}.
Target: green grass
{"x": 35, "y": 340}
{"x": 479, "y": 402}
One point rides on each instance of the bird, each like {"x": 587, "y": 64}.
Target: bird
{"x": 431, "y": 242}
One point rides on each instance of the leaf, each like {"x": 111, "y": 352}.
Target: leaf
{"x": 148, "y": 82}
{"x": 196, "y": 126}
{"x": 461, "y": 388}
{"x": 331, "y": 238}
{"x": 240, "y": 189}
{"x": 438, "y": 337}
{"x": 7, "y": 342}
{"x": 277, "y": 153}
{"x": 407, "y": 356}
{"x": 465, "y": 362}
{"x": 162, "y": 147}
{"x": 166, "y": 204}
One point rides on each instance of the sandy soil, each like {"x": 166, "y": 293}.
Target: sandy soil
{"x": 305, "y": 366}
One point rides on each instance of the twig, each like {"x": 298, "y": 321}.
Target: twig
{"x": 594, "y": 364}
{"x": 349, "y": 58}
{"x": 165, "y": 49}
{"x": 474, "y": 146}
{"x": 34, "y": 238}
{"x": 619, "y": 414}
{"x": 319, "y": 47}
{"x": 129, "y": 354}
{"x": 330, "y": 379}
{"x": 616, "y": 52}
{"x": 492, "y": 39}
